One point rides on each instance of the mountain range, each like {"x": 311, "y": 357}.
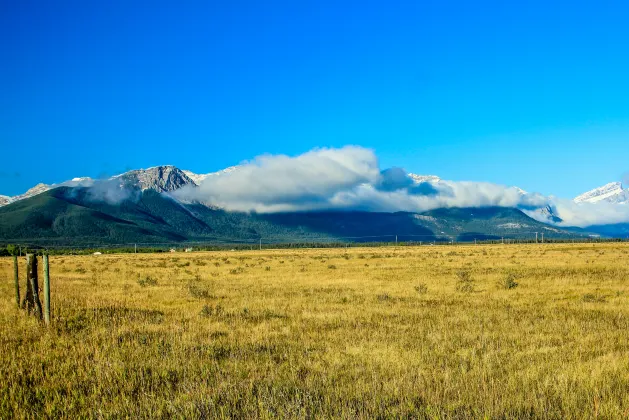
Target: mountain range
{"x": 168, "y": 178}
{"x": 66, "y": 213}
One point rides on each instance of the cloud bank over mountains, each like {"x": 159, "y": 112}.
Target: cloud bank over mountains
{"x": 350, "y": 178}
{"x": 347, "y": 178}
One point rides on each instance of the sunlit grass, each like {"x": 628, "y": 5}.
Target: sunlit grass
{"x": 453, "y": 331}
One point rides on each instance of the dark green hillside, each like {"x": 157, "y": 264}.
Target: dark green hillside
{"x": 359, "y": 226}
{"x": 53, "y": 219}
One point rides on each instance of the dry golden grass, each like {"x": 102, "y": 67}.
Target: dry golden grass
{"x": 428, "y": 332}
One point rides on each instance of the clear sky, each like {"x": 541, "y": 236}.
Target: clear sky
{"x": 530, "y": 93}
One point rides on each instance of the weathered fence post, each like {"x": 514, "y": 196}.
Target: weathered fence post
{"x": 16, "y": 278}
{"x": 27, "y": 302}
{"x": 31, "y": 273}
{"x": 46, "y": 290}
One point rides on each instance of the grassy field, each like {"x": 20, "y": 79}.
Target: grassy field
{"x": 506, "y": 331}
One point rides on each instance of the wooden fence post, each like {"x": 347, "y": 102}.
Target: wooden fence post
{"x": 16, "y": 278}
{"x": 31, "y": 272}
{"x": 46, "y": 291}
{"x": 27, "y": 302}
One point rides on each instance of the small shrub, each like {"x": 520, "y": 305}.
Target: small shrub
{"x": 207, "y": 311}
{"x": 198, "y": 292}
{"x": 384, "y": 297}
{"x": 509, "y": 282}
{"x": 421, "y": 288}
{"x": 593, "y": 298}
{"x": 147, "y": 281}
{"x": 267, "y": 268}
{"x": 464, "y": 276}
{"x": 218, "y": 334}
{"x": 332, "y": 267}
{"x": 465, "y": 283}
{"x": 465, "y": 287}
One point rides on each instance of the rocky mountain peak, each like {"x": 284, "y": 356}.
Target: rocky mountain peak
{"x": 4, "y": 200}
{"x": 37, "y": 189}
{"x": 159, "y": 178}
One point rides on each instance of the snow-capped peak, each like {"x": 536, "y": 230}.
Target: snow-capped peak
{"x": 199, "y": 178}
{"x": 612, "y": 192}
{"x": 418, "y": 179}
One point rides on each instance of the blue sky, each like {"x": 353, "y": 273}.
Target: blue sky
{"x": 519, "y": 93}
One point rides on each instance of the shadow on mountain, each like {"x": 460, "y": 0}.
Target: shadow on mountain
{"x": 617, "y": 230}
{"x": 354, "y": 225}
{"x": 468, "y": 214}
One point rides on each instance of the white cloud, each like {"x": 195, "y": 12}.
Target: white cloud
{"x": 588, "y": 214}
{"x": 110, "y": 192}
{"x": 282, "y": 183}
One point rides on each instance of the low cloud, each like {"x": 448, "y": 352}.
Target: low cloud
{"x": 110, "y": 192}
{"x": 587, "y": 214}
{"x": 275, "y": 183}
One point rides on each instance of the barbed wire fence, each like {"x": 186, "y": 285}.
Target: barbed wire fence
{"x": 47, "y": 245}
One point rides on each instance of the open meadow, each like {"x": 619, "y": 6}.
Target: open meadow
{"x": 500, "y": 331}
